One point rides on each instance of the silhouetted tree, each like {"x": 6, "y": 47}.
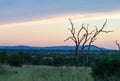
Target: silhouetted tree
{"x": 82, "y": 37}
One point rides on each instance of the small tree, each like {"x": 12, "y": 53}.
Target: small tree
{"x": 36, "y": 60}
{"x": 26, "y": 58}
{"x": 15, "y": 60}
{"x": 3, "y": 57}
{"x": 58, "y": 60}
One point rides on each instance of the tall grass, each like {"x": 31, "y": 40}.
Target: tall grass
{"x": 46, "y": 73}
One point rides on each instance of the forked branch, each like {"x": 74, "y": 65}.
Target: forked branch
{"x": 98, "y": 31}
{"x": 76, "y": 38}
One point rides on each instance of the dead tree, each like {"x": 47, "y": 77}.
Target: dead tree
{"x": 93, "y": 38}
{"x": 87, "y": 38}
{"x": 118, "y": 45}
{"x": 77, "y": 39}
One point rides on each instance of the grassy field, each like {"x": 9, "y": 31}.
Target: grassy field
{"x": 45, "y": 73}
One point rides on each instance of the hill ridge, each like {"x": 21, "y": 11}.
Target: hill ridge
{"x": 93, "y": 47}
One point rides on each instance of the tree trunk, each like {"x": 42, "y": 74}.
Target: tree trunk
{"x": 87, "y": 56}
{"x": 83, "y": 57}
{"x": 76, "y": 55}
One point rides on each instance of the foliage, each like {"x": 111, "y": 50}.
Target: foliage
{"x": 106, "y": 66}
{"x": 58, "y": 60}
{"x": 2, "y": 57}
{"x": 26, "y": 58}
{"x": 15, "y": 60}
{"x": 36, "y": 60}
{"x": 46, "y": 61}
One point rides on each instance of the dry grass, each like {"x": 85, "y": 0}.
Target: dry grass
{"x": 46, "y": 73}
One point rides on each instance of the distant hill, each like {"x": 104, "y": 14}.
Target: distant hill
{"x": 93, "y": 47}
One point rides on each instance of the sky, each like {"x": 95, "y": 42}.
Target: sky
{"x": 45, "y": 22}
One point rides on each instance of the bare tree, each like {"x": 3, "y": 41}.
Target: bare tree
{"x": 82, "y": 38}
{"x": 118, "y": 45}
{"x": 76, "y": 38}
{"x": 87, "y": 38}
{"x": 94, "y": 37}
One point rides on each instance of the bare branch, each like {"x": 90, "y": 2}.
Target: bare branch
{"x": 93, "y": 38}
{"x": 78, "y": 34}
{"x": 87, "y": 37}
{"x": 71, "y": 24}
{"x": 92, "y": 32}
{"x": 103, "y": 26}
{"x": 73, "y": 31}
{"x": 82, "y": 38}
{"x": 70, "y": 38}
{"x": 107, "y": 31}
{"x": 96, "y": 29}
{"x": 118, "y": 44}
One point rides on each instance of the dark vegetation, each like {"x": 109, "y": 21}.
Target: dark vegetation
{"x": 106, "y": 67}
{"x": 104, "y": 63}
{"x": 46, "y": 57}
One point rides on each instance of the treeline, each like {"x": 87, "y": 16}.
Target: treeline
{"x": 58, "y": 58}
{"x": 53, "y": 58}
{"x": 19, "y": 59}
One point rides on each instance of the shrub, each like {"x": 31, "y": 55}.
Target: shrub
{"x": 15, "y": 60}
{"x": 46, "y": 61}
{"x": 36, "y": 60}
{"x": 106, "y": 66}
{"x": 58, "y": 60}
{"x": 3, "y": 57}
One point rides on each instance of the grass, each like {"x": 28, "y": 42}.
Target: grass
{"x": 45, "y": 73}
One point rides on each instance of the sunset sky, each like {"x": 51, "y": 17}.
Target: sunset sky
{"x": 45, "y": 22}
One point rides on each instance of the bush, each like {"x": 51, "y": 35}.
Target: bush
{"x": 15, "y": 60}
{"x": 3, "y": 57}
{"x": 46, "y": 61}
{"x": 106, "y": 66}
{"x": 36, "y": 60}
{"x": 59, "y": 60}
{"x": 26, "y": 58}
